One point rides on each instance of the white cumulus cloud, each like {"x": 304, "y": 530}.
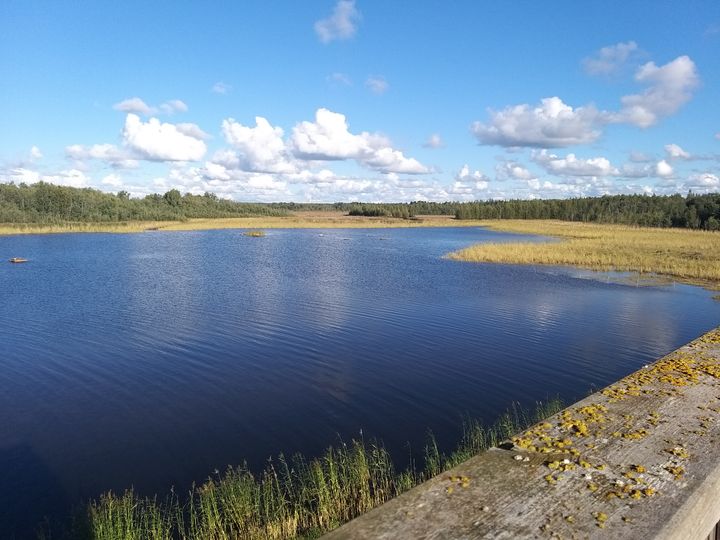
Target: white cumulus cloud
{"x": 511, "y": 170}
{"x": 669, "y": 87}
{"x": 158, "y": 141}
{"x": 134, "y": 105}
{"x": 112, "y": 180}
{"x": 571, "y": 165}
{"x": 328, "y": 138}
{"x": 707, "y": 182}
{"x": 342, "y": 24}
{"x": 609, "y": 59}
{"x": 434, "y": 141}
{"x": 673, "y": 151}
{"x": 173, "y": 106}
{"x": 467, "y": 182}
{"x": 35, "y": 153}
{"x": 257, "y": 149}
{"x": 663, "y": 169}
{"x": 116, "y": 157}
{"x": 552, "y": 123}
{"x": 660, "y": 169}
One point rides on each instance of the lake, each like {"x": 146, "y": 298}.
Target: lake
{"x": 150, "y": 360}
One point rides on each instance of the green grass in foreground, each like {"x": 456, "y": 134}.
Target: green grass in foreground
{"x": 293, "y": 498}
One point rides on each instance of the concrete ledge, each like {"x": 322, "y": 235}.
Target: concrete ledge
{"x": 639, "y": 459}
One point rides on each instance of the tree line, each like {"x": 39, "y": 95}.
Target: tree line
{"x": 691, "y": 211}
{"x": 45, "y": 203}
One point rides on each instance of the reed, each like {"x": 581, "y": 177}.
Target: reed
{"x": 298, "y": 220}
{"x": 254, "y": 233}
{"x": 689, "y": 256}
{"x": 79, "y": 227}
{"x": 296, "y": 498}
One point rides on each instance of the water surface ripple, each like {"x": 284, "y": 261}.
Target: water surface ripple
{"x": 149, "y": 360}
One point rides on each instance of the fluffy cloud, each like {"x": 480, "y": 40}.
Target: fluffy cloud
{"x": 342, "y": 24}
{"x": 112, "y": 180}
{"x": 576, "y": 187}
{"x": 434, "y": 141}
{"x": 550, "y": 124}
{"x": 673, "y": 151}
{"x": 377, "y": 85}
{"x": 256, "y": 149}
{"x": 116, "y": 157}
{"x": 511, "y": 170}
{"x": 328, "y": 138}
{"x": 136, "y": 105}
{"x": 571, "y": 165}
{"x": 173, "y": 106}
{"x": 465, "y": 174}
{"x": 663, "y": 169}
{"x": 704, "y": 181}
{"x": 609, "y": 59}
{"x": 553, "y": 124}
{"x": 70, "y": 177}
{"x": 192, "y": 130}
{"x": 157, "y": 141}
{"x": 669, "y": 87}
{"x": 466, "y": 180}
{"x": 221, "y": 88}
{"x": 35, "y": 153}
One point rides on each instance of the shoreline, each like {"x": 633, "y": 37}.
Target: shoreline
{"x": 298, "y": 220}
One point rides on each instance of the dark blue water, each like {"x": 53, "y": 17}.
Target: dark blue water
{"x": 150, "y": 360}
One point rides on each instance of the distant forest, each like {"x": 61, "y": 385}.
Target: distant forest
{"x": 691, "y": 211}
{"x": 44, "y": 203}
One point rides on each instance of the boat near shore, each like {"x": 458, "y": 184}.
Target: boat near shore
{"x": 18, "y": 260}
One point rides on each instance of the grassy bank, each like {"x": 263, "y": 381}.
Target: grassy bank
{"x": 78, "y": 227}
{"x": 295, "y": 498}
{"x": 297, "y": 220}
{"x": 686, "y": 255}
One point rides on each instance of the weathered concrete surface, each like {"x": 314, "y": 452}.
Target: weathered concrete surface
{"x": 640, "y": 459}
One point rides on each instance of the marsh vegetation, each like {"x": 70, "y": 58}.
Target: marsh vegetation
{"x": 689, "y": 256}
{"x": 291, "y": 498}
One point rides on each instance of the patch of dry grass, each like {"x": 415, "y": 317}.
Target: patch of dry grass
{"x": 686, "y": 255}
{"x": 115, "y": 227}
{"x": 316, "y": 220}
{"x": 298, "y": 220}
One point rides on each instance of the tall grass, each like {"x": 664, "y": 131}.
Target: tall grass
{"x": 687, "y": 255}
{"x": 295, "y": 498}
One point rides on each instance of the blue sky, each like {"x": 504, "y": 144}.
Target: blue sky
{"x": 362, "y": 100}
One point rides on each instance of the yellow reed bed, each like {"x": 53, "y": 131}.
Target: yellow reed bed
{"x": 298, "y": 220}
{"x": 77, "y": 227}
{"x": 687, "y": 255}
